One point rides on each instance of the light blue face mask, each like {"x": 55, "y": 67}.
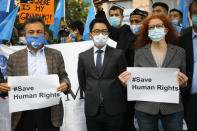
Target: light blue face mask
{"x": 35, "y": 41}
{"x": 194, "y": 20}
{"x": 135, "y": 28}
{"x": 156, "y": 34}
{"x": 175, "y": 22}
{"x": 72, "y": 37}
{"x": 114, "y": 21}
{"x": 178, "y": 29}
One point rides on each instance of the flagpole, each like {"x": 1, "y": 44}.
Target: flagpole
{"x": 8, "y": 6}
{"x": 64, "y": 10}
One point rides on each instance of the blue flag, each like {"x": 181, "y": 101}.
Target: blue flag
{"x": 91, "y": 16}
{"x": 59, "y": 13}
{"x": 183, "y": 7}
{"x": 6, "y": 7}
{"x": 6, "y": 26}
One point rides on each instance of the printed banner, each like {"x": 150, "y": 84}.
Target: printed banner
{"x": 33, "y": 92}
{"x": 153, "y": 84}
{"x": 42, "y": 8}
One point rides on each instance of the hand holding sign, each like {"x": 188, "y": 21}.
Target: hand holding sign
{"x": 63, "y": 87}
{"x": 4, "y": 87}
{"x": 123, "y": 77}
{"x": 182, "y": 79}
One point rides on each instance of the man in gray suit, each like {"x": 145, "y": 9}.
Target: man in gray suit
{"x": 37, "y": 59}
{"x": 98, "y": 70}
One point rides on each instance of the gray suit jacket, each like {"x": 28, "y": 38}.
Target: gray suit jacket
{"x": 175, "y": 58}
{"x": 17, "y": 66}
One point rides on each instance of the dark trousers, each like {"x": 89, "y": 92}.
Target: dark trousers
{"x": 171, "y": 122}
{"x": 130, "y": 114}
{"x": 105, "y": 122}
{"x": 191, "y": 113}
{"x": 36, "y": 120}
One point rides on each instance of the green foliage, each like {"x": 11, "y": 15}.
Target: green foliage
{"x": 76, "y": 10}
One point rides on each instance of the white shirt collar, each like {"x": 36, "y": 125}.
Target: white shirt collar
{"x": 103, "y": 48}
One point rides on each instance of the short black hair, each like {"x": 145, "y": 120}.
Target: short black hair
{"x": 181, "y": 14}
{"x": 142, "y": 13}
{"x": 116, "y": 8}
{"x": 77, "y": 25}
{"x": 190, "y": 6}
{"x": 99, "y": 20}
{"x": 34, "y": 19}
{"x": 164, "y": 5}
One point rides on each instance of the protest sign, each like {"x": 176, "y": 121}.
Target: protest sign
{"x": 33, "y": 92}
{"x": 42, "y": 8}
{"x": 153, "y": 84}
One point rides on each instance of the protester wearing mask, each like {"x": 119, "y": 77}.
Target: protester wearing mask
{"x": 76, "y": 29}
{"x": 136, "y": 18}
{"x": 37, "y": 60}
{"x": 22, "y": 39}
{"x": 98, "y": 70}
{"x": 188, "y": 41}
{"x": 176, "y": 17}
{"x": 63, "y": 35}
{"x": 157, "y": 47}
{"x": 160, "y": 8}
{"x": 122, "y": 34}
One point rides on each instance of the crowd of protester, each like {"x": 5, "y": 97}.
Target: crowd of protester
{"x": 153, "y": 39}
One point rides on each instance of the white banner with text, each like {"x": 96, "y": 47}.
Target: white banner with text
{"x": 33, "y": 92}
{"x": 153, "y": 84}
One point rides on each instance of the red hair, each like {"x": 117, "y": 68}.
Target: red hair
{"x": 142, "y": 37}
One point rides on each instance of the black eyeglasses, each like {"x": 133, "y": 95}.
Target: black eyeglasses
{"x": 150, "y": 27}
{"x": 104, "y": 32}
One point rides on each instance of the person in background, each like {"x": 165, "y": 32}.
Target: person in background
{"x": 116, "y": 16}
{"x": 188, "y": 41}
{"x": 176, "y": 17}
{"x": 136, "y": 18}
{"x": 76, "y": 29}
{"x": 22, "y": 39}
{"x": 156, "y": 46}
{"x": 160, "y": 8}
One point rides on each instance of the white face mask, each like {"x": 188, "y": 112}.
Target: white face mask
{"x": 100, "y": 40}
{"x": 135, "y": 28}
{"x": 22, "y": 40}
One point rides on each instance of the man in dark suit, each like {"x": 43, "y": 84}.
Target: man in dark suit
{"x": 98, "y": 70}
{"x": 188, "y": 41}
{"x": 37, "y": 59}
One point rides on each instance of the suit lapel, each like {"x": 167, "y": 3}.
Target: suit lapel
{"x": 24, "y": 61}
{"x": 148, "y": 54}
{"x": 49, "y": 60}
{"x": 107, "y": 57}
{"x": 91, "y": 60}
{"x": 169, "y": 55}
{"x": 190, "y": 48}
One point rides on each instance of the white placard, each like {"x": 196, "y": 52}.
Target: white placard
{"x": 33, "y": 92}
{"x": 153, "y": 84}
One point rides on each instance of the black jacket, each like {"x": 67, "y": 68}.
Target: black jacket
{"x": 108, "y": 83}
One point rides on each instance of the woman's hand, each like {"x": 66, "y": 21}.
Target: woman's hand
{"x": 123, "y": 77}
{"x": 182, "y": 79}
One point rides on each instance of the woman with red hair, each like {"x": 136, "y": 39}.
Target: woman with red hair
{"x": 156, "y": 46}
